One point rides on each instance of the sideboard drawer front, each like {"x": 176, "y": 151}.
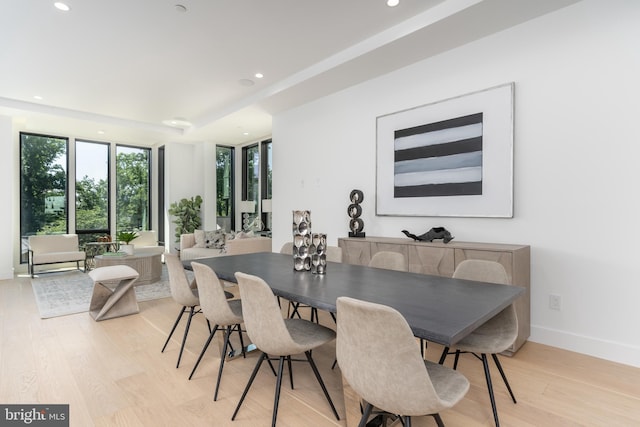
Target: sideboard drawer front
{"x": 355, "y": 251}
{"x": 504, "y": 258}
{"x": 431, "y": 260}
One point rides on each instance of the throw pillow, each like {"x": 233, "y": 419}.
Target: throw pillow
{"x": 199, "y": 236}
{"x": 214, "y": 239}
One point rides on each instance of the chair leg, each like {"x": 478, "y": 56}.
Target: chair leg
{"x": 365, "y": 415}
{"x": 275, "y": 374}
{"x": 487, "y": 375}
{"x": 438, "y": 420}
{"x": 295, "y": 311}
{"x": 186, "y": 332}
{"x": 223, "y": 356}
{"x": 455, "y": 360}
{"x": 290, "y": 371}
{"x": 276, "y": 399}
{"x": 443, "y": 356}
{"x": 319, "y": 378}
{"x": 504, "y": 377}
{"x": 204, "y": 349}
{"x": 174, "y": 328}
{"x": 407, "y": 421}
{"x": 244, "y": 352}
{"x": 246, "y": 389}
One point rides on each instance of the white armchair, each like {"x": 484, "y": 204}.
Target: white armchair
{"x": 147, "y": 241}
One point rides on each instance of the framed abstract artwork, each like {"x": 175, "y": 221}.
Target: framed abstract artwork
{"x": 449, "y": 158}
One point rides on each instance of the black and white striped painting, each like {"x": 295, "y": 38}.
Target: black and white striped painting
{"x": 439, "y": 159}
{"x": 452, "y": 157}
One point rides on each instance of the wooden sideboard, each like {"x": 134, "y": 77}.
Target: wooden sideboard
{"x": 441, "y": 259}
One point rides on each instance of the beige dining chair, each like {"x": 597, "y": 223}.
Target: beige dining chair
{"x": 278, "y": 338}
{"x": 287, "y": 248}
{"x": 494, "y": 336}
{"x": 183, "y": 294}
{"x": 396, "y": 380}
{"x": 225, "y": 314}
{"x": 393, "y": 261}
{"x": 389, "y": 261}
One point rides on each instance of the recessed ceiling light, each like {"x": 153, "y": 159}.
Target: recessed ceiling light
{"x": 245, "y": 133}
{"x": 62, "y": 6}
{"x": 37, "y": 97}
{"x": 180, "y": 8}
{"x": 393, "y": 3}
{"x": 259, "y": 75}
{"x": 178, "y": 122}
{"x": 246, "y": 82}
{"x": 100, "y": 132}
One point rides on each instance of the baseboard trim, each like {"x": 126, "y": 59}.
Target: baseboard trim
{"x": 604, "y": 349}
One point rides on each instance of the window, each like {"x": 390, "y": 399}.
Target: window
{"x": 267, "y": 183}
{"x": 43, "y": 187}
{"x": 92, "y": 190}
{"x": 160, "y": 198}
{"x": 133, "y": 188}
{"x": 250, "y": 172}
{"x": 44, "y": 183}
{"x": 224, "y": 187}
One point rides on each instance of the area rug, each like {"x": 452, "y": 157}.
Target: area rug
{"x": 63, "y": 293}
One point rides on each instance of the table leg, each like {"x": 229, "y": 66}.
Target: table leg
{"x": 236, "y": 345}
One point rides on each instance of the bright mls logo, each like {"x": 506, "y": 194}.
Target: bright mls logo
{"x": 34, "y": 415}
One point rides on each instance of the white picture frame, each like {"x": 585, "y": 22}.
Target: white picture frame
{"x": 460, "y": 180}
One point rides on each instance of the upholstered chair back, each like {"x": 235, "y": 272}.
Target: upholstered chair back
{"x": 380, "y": 359}
{"x": 334, "y": 254}
{"x": 213, "y": 300}
{"x": 389, "y": 261}
{"x": 181, "y": 291}
{"x": 263, "y": 318}
{"x": 499, "y": 332}
{"x": 287, "y": 248}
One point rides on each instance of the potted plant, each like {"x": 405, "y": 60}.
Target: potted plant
{"x": 126, "y": 237}
{"x": 187, "y": 213}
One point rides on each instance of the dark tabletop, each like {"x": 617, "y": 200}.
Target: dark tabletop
{"x": 438, "y": 309}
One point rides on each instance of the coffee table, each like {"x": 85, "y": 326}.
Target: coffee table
{"x": 147, "y": 264}
{"x": 93, "y": 249}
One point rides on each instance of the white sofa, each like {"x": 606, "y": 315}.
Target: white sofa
{"x": 54, "y": 249}
{"x": 189, "y": 249}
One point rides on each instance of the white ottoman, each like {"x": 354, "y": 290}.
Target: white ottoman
{"x": 113, "y": 293}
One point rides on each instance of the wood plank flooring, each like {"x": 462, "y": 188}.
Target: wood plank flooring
{"x": 112, "y": 373}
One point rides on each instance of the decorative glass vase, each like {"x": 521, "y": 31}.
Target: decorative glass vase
{"x": 319, "y": 253}
{"x": 301, "y": 240}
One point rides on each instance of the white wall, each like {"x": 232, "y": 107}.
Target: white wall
{"x": 575, "y": 164}
{"x": 184, "y": 178}
{"x": 8, "y": 160}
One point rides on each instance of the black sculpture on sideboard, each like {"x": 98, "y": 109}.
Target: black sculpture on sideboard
{"x": 429, "y": 236}
{"x": 356, "y": 224}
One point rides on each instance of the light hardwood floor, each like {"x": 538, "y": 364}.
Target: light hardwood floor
{"x": 112, "y": 373}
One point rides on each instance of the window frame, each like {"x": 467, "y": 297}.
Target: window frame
{"x": 78, "y": 231}
{"x": 22, "y": 235}
{"x": 149, "y": 183}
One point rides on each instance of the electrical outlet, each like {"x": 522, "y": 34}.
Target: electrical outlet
{"x": 555, "y": 302}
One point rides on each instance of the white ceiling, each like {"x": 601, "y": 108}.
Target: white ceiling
{"x": 123, "y": 67}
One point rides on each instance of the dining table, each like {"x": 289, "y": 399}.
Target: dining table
{"x": 438, "y": 309}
